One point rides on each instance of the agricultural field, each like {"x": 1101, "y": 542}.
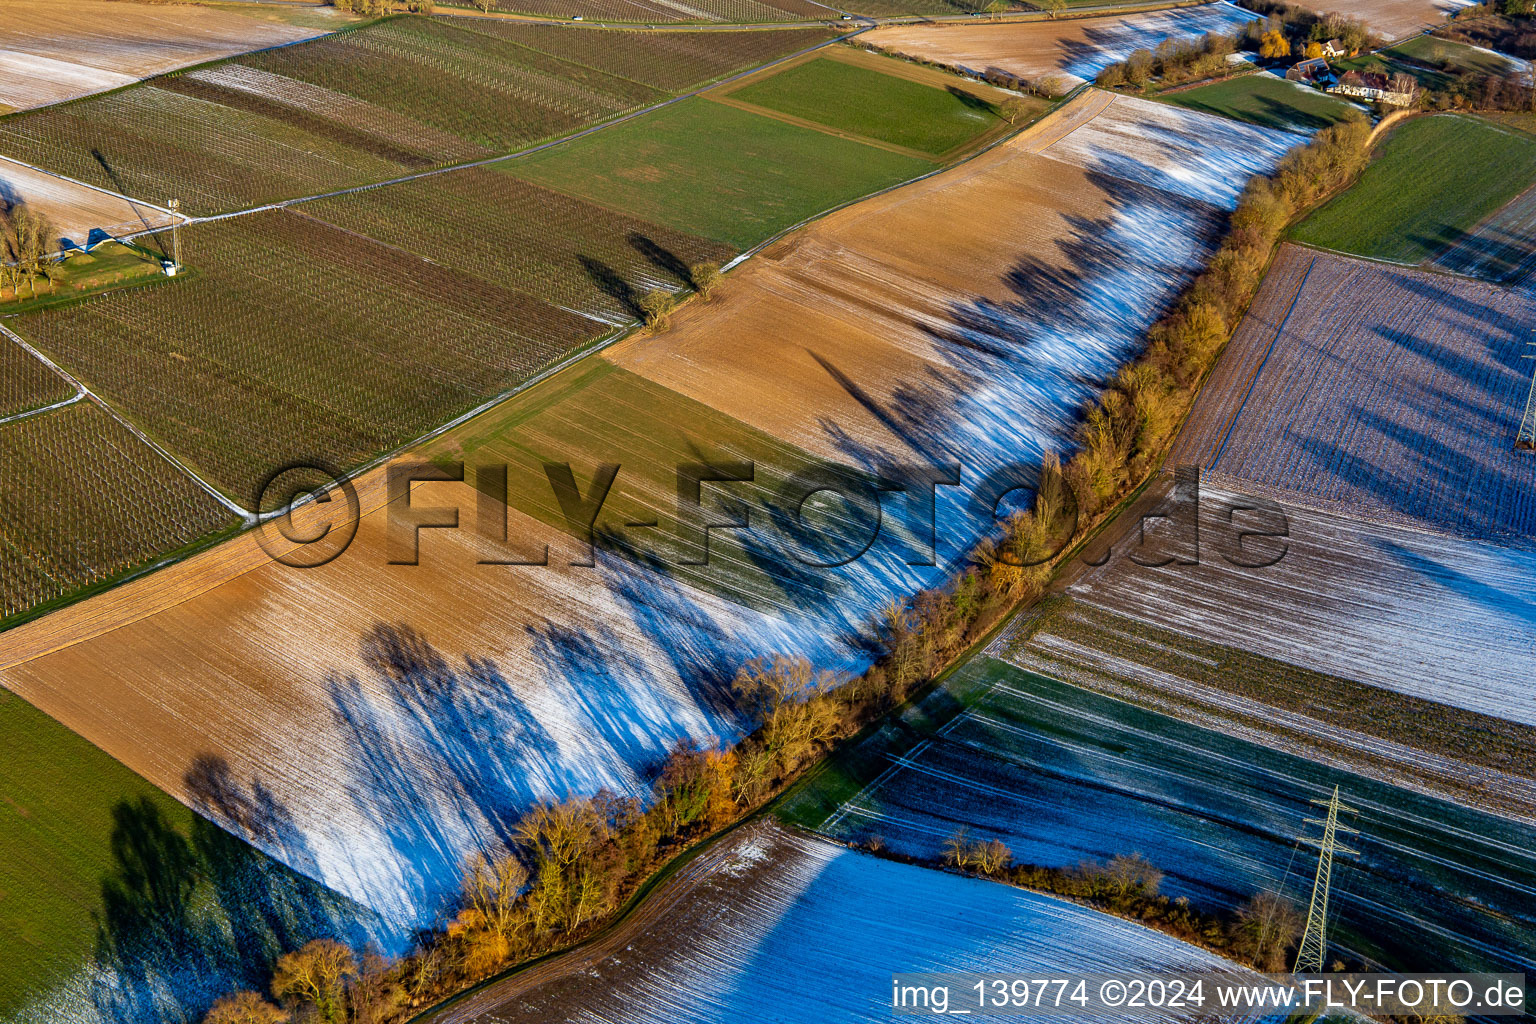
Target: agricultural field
{"x": 1396, "y": 19}
{"x": 557, "y": 248}
{"x": 853, "y": 93}
{"x": 85, "y": 501}
{"x": 487, "y": 91}
{"x": 150, "y": 141}
{"x": 716, "y": 171}
{"x": 1182, "y": 152}
{"x": 361, "y": 106}
{"x": 80, "y": 215}
{"x": 598, "y": 414}
{"x": 670, "y": 61}
{"x": 1449, "y": 55}
{"x": 299, "y": 341}
{"x": 401, "y": 715}
{"x": 576, "y": 679}
{"x": 379, "y": 720}
{"x": 48, "y": 54}
{"x": 1388, "y": 393}
{"x": 940, "y": 310}
{"x": 772, "y": 924}
{"x": 1420, "y": 193}
{"x": 1062, "y": 775}
{"x": 1384, "y": 647}
{"x": 1267, "y": 100}
{"x": 665, "y": 11}
{"x": 25, "y": 383}
{"x": 118, "y": 898}
{"x": 1072, "y": 51}
{"x": 1501, "y": 248}
{"x": 1488, "y": 30}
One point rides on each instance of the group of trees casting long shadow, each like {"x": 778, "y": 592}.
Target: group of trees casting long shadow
{"x": 189, "y": 916}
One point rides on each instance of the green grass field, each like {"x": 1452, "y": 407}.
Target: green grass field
{"x": 1434, "y": 178}
{"x": 1447, "y": 52}
{"x": 596, "y": 413}
{"x": 865, "y": 102}
{"x": 716, "y": 171}
{"x": 1265, "y": 100}
{"x": 98, "y": 865}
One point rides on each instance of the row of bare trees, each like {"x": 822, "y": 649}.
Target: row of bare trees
{"x": 658, "y": 305}
{"x": 1262, "y": 932}
{"x": 572, "y": 863}
{"x": 27, "y": 244}
{"x": 380, "y": 8}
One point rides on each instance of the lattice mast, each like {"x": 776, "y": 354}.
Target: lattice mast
{"x": 174, "y": 205}
{"x": 1314, "y": 941}
{"x": 1526, "y": 439}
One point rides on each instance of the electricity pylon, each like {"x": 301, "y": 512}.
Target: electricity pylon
{"x": 1526, "y": 438}
{"x": 174, "y": 205}
{"x": 1314, "y": 941}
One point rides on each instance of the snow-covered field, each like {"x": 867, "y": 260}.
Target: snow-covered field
{"x": 30, "y": 80}
{"x": 76, "y": 210}
{"x": 1073, "y": 50}
{"x": 1062, "y": 775}
{"x": 396, "y": 718}
{"x": 778, "y": 926}
{"x": 1181, "y": 151}
{"x": 1437, "y": 617}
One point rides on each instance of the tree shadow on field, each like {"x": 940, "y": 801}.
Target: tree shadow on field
{"x": 189, "y": 914}
{"x": 612, "y": 284}
{"x": 971, "y": 100}
{"x": 122, "y": 189}
{"x": 1492, "y": 252}
{"x": 663, "y": 259}
{"x": 443, "y": 755}
{"x": 1427, "y": 393}
{"x": 1008, "y": 377}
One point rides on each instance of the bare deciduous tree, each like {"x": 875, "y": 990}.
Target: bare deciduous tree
{"x": 245, "y": 1008}
{"x": 315, "y": 975}
{"x": 705, "y": 277}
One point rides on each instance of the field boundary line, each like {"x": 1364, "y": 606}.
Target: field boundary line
{"x": 837, "y": 133}
{"x": 247, "y": 516}
{"x": 27, "y": 414}
{"x": 994, "y": 144}
{"x": 527, "y": 151}
{"x": 1253, "y": 380}
{"x": 898, "y": 762}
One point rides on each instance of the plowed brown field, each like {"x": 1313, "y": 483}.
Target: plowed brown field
{"x": 855, "y": 337}
{"x": 1073, "y": 49}
{"x": 51, "y": 51}
{"x": 75, "y": 209}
